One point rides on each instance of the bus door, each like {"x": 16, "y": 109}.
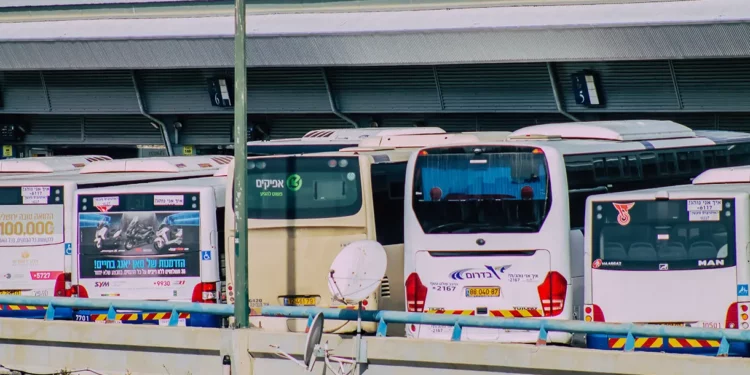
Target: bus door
{"x": 143, "y": 247}
{"x": 665, "y": 262}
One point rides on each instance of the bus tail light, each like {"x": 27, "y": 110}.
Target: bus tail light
{"x": 742, "y": 318}
{"x": 204, "y": 293}
{"x": 416, "y": 293}
{"x": 593, "y": 313}
{"x": 552, "y": 293}
{"x": 62, "y": 285}
{"x": 733, "y": 317}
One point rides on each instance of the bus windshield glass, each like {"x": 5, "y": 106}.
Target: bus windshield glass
{"x": 481, "y": 190}
{"x": 663, "y": 235}
{"x": 303, "y": 187}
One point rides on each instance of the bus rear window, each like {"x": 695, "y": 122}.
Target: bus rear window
{"x": 303, "y": 187}
{"x": 481, "y": 190}
{"x": 664, "y": 235}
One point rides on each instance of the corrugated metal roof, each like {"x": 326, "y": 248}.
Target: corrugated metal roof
{"x": 676, "y": 30}
{"x": 358, "y": 23}
{"x": 47, "y": 3}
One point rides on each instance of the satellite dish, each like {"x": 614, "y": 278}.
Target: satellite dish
{"x": 314, "y": 335}
{"x": 357, "y": 271}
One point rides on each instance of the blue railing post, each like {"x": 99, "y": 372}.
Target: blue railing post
{"x": 542, "y": 340}
{"x": 456, "y": 332}
{"x": 174, "y": 318}
{"x": 630, "y": 342}
{"x": 111, "y": 314}
{"x": 50, "y": 314}
{"x": 723, "y": 347}
{"x": 382, "y": 328}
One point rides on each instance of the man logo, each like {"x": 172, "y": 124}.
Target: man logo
{"x": 623, "y": 218}
{"x": 711, "y": 263}
{"x": 101, "y": 284}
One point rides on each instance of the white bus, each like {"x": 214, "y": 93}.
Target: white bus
{"x": 304, "y": 208}
{"x": 496, "y": 228}
{"x": 37, "y": 219}
{"x": 169, "y": 249}
{"x": 672, "y": 256}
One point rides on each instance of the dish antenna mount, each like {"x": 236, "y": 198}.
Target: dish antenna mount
{"x": 355, "y": 275}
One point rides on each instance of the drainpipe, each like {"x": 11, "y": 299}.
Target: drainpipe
{"x": 333, "y": 104}
{"x": 558, "y": 103}
{"x": 155, "y": 122}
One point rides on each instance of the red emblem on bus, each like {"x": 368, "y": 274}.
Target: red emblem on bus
{"x": 597, "y": 263}
{"x": 624, "y": 215}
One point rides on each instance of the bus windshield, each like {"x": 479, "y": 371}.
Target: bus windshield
{"x": 303, "y": 187}
{"x": 481, "y": 190}
{"x": 664, "y": 235}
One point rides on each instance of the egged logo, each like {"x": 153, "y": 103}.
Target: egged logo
{"x": 623, "y": 209}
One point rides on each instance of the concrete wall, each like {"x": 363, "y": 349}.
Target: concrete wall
{"x": 45, "y": 347}
{"x": 399, "y": 355}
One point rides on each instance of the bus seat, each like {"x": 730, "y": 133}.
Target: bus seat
{"x": 702, "y": 250}
{"x": 672, "y": 251}
{"x": 614, "y": 251}
{"x": 642, "y": 251}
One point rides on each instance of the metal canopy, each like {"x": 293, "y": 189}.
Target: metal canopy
{"x": 634, "y": 31}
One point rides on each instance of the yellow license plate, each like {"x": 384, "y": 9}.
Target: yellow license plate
{"x": 11, "y": 292}
{"x": 483, "y": 292}
{"x": 299, "y": 301}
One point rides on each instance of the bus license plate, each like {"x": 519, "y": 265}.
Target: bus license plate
{"x": 10, "y": 292}
{"x": 667, "y": 324}
{"x": 299, "y": 301}
{"x": 483, "y": 292}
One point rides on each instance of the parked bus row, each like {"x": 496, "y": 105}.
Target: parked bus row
{"x": 616, "y": 221}
{"x": 477, "y": 225}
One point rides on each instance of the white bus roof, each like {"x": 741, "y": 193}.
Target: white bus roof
{"x": 218, "y": 184}
{"x": 345, "y": 136}
{"x": 490, "y": 135}
{"x": 411, "y": 141}
{"x": 728, "y": 175}
{"x": 570, "y": 144}
{"x": 624, "y": 130}
{"x": 48, "y": 164}
{"x": 171, "y": 164}
{"x": 124, "y": 170}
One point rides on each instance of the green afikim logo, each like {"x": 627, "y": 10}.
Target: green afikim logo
{"x": 294, "y": 182}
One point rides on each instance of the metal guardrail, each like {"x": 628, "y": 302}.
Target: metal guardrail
{"x": 111, "y": 305}
{"x": 384, "y": 317}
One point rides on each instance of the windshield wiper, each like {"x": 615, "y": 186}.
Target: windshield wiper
{"x": 457, "y": 227}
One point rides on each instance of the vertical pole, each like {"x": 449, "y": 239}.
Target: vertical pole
{"x": 241, "y": 306}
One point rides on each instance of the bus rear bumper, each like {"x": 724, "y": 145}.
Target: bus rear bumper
{"x": 34, "y": 312}
{"x": 678, "y": 346}
{"x": 152, "y": 318}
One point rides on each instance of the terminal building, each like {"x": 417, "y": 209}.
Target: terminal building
{"x": 129, "y": 78}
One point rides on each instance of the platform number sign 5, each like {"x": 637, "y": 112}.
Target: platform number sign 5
{"x": 586, "y": 89}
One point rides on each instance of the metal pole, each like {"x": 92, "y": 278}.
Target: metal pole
{"x": 241, "y": 306}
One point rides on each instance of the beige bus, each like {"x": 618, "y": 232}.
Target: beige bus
{"x": 304, "y": 208}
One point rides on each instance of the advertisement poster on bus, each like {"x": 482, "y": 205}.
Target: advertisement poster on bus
{"x": 139, "y": 244}
{"x": 31, "y": 225}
